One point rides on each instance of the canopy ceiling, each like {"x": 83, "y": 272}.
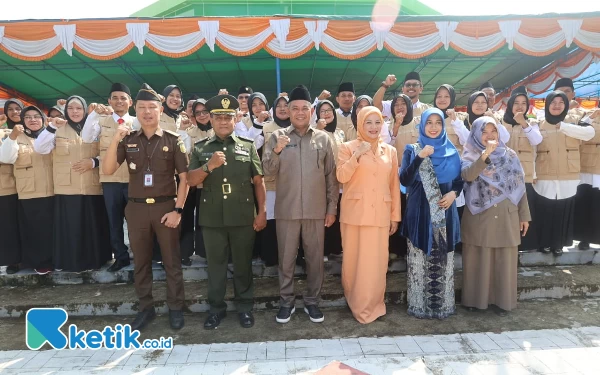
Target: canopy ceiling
{"x": 203, "y": 55}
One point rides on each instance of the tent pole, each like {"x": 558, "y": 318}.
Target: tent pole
{"x": 278, "y": 75}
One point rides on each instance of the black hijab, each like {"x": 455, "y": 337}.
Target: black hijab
{"x": 555, "y": 120}
{"x": 77, "y": 126}
{"x": 509, "y": 114}
{"x": 409, "y": 109}
{"x": 10, "y": 123}
{"x": 204, "y": 127}
{"x": 354, "y": 115}
{"x": 28, "y": 132}
{"x": 281, "y": 123}
{"x": 333, "y": 124}
{"x": 472, "y": 116}
{"x": 452, "y": 98}
{"x": 172, "y": 113}
{"x": 253, "y": 96}
{"x": 57, "y": 108}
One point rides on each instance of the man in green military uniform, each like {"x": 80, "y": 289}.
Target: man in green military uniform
{"x": 228, "y": 166}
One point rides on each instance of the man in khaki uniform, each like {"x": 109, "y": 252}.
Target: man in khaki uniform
{"x": 155, "y": 203}
{"x": 575, "y": 113}
{"x": 412, "y": 87}
{"x": 101, "y": 124}
{"x": 301, "y": 158}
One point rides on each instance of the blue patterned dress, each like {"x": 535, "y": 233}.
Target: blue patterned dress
{"x": 432, "y": 234}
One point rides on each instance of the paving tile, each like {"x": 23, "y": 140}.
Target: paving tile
{"x": 408, "y": 345}
{"x": 64, "y": 363}
{"x": 429, "y": 345}
{"x": 100, "y": 358}
{"x": 535, "y": 343}
{"x": 554, "y": 361}
{"x": 313, "y": 352}
{"x": 273, "y": 367}
{"x": 503, "y": 341}
{"x": 211, "y": 369}
{"x": 484, "y": 341}
{"x": 19, "y": 360}
{"x": 376, "y": 340}
{"x": 352, "y": 350}
{"x": 225, "y": 347}
{"x": 530, "y": 362}
{"x": 381, "y": 349}
{"x": 503, "y": 369}
{"x": 39, "y": 360}
{"x": 463, "y": 368}
{"x": 275, "y": 350}
{"x": 257, "y": 351}
{"x": 303, "y": 344}
{"x": 226, "y": 356}
{"x": 179, "y": 354}
{"x": 157, "y": 358}
{"x": 169, "y": 370}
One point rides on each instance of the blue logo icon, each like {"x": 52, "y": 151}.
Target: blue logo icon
{"x": 43, "y": 326}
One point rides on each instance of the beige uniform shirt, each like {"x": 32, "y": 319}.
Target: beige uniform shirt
{"x": 307, "y": 187}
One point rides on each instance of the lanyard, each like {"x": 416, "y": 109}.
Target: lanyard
{"x": 151, "y": 155}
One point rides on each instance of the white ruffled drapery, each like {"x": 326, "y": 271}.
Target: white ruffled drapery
{"x": 380, "y": 36}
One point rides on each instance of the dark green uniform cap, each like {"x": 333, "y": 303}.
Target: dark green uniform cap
{"x": 225, "y": 104}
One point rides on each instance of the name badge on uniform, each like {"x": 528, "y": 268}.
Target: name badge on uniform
{"x": 290, "y": 145}
{"x": 148, "y": 179}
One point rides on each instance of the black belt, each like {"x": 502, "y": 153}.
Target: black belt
{"x": 152, "y": 200}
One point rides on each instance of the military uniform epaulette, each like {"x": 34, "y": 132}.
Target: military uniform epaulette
{"x": 245, "y": 138}
{"x": 202, "y": 140}
{"x": 172, "y": 132}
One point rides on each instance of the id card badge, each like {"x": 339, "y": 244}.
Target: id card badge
{"x": 148, "y": 179}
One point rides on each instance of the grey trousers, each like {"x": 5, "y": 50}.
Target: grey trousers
{"x": 288, "y": 240}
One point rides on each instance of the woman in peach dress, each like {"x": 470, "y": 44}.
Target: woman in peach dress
{"x": 370, "y": 213}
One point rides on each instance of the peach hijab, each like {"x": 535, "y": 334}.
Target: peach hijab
{"x": 362, "y": 133}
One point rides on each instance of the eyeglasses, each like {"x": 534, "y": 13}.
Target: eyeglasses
{"x": 201, "y": 113}
{"x": 243, "y": 97}
{"x": 38, "y": 117}
{"x": 412, "y": 85}
{"x": 326, "y": 111}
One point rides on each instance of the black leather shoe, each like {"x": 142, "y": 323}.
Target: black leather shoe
{"x": 176, "y": 319}
{"x": 143, "y": 318}
{"x": 186, "y": 262}
{"x": 214, "y": 320}
{"x": 12, "y": 269}
{"x": 557, "y": 251}
{"x": 499, "y": 311}
{"x": 545, "y": 250}
{"x": 246, "y": 319}
{"x": 118, "y": 264}
{"x": 583, "y": 246}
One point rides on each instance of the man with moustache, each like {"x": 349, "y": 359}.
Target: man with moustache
{"x": 302, "y": 160}
{"x": 102, "y": 123}
{"x": 229, "y": 169}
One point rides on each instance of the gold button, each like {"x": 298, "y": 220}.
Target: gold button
{"x": 495, "y": 205}
{"x": 206, "y": 158}
{"x": 247, "y": 200}
{"x": 224, "y": 148}
{"x": 205, "y": 200}
{"x": 224, "y": 180}
{"x": 225, "y": 163}
{"x": 495, "y": 217}
{"x": 224, "y": 196}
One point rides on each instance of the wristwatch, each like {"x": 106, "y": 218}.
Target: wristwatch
{"x": 178, "y": 210}
{"x": 205, "y": 168}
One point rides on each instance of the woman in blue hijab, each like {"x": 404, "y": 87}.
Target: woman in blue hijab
{"x": 431, "y": 173}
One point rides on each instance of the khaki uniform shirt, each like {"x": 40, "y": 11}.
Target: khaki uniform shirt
{"x": 307, "y": 187}
{"x": 161, "y": 155}
{"x": 7, "y": 178}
